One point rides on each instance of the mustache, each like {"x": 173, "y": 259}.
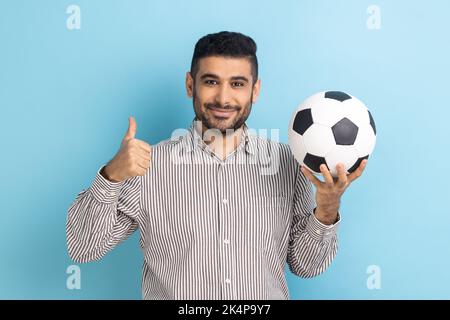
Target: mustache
{"x": 219, "y": 106}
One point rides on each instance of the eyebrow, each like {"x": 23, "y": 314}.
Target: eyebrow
{"x": 215, "y": 76}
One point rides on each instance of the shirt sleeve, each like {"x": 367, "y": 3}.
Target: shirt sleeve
{"x": 101, "y": 217}
{"x": 312, "y": 245}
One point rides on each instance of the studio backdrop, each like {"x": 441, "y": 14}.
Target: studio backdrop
{"x": 72, "y": 72}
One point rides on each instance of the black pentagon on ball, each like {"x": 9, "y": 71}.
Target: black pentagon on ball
{"x": 357, "y": 163}
{"x": 314, "y": 162}
{"x": 303, "y": 120}
{"x": 337, "y": 95}
{"x": 345, "y": 132}
{"x": 372, "y": 123}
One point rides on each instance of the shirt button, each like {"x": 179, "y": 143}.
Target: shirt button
{"x": 226, "y": 241}
{"x": 225, "y": 201}
{"x": 318, "y": 231}
{"x": 228, "y": 281}
{"x": 102, "y": 191}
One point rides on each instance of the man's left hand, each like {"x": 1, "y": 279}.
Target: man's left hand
{"x": 328, "y": 193}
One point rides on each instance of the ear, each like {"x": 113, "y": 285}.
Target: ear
{"x": 256, "y": 89}
{"x": 189, "y": 84}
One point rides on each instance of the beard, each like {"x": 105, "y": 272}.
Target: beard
{"x": 223, "y": 124}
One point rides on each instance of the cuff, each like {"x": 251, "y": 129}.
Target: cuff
{"x": 104, "y": 190}
{"x": 319, "y": 231}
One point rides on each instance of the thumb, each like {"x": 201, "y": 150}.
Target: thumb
{"x": 132, "y": 126}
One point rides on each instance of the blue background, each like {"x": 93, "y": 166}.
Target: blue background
{"x": 65, "y": 98}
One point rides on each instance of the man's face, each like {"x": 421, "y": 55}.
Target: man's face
{"x": 222, "y": 92}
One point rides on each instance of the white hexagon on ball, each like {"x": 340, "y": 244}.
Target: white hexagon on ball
{"x": 318, "y": 140}
{"x": 327, "y": 112}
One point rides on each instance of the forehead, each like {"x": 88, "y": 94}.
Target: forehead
{"x": 225, "y": 67}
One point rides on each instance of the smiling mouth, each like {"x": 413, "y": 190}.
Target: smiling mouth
{"x": 221, "y": 112}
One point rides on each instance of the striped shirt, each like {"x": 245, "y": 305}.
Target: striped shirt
{"x": 209, "y": 228}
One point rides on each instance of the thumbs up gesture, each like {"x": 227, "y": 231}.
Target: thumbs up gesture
{"x": 133, "y": 158}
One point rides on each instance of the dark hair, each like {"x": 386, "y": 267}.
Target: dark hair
{"x": 228, "y": 44}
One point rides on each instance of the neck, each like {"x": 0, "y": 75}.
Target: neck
{"x": 222, "y": 144}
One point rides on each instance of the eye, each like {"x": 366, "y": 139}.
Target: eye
{"x": 210, "y": 82}
{"x": 237, "y": 84}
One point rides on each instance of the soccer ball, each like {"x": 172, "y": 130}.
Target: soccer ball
{"x": 331, "y": 127}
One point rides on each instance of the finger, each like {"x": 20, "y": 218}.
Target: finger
{"x": 132, "y": 127}
{"x": 342, "y": 181}
{"x": 358, "y": 172}
{"x": 143, "y": 155}
{"x": 143, "y": 163}
{"x": 327, "y": 175}
{"x": 143, "y": 145}
{"x": 311, "y": 177}
{"x": 140, "y": 145}
{"x": 141, "y": 170}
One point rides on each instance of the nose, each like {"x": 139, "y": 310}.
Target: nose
{"x": 223, "y": 95}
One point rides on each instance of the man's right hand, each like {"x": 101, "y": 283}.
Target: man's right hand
{"x": 133, "y": 158}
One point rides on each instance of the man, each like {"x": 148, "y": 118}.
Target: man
{"x": 214, "y": 222}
